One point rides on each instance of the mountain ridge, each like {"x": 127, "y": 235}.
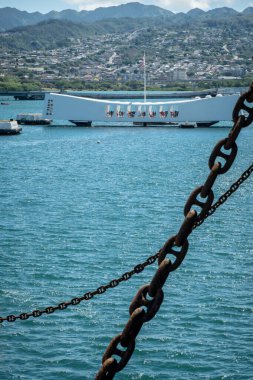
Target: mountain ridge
{"x": 11, "y": 18}
{"x": 64, "y": 32}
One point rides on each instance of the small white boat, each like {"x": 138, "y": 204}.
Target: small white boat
{"x": 32, "y": 119}
{"x": 9, "y": 127}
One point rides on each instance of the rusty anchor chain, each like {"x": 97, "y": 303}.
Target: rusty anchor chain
{"x": 149, "y": 298}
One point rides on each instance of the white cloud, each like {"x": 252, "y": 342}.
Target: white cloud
{"x": 183, "y": 5}
{"x": 93, "y": 4}
{"x": 186, "y": 5}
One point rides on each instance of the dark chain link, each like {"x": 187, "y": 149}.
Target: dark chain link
{"x": 149, "y": 298}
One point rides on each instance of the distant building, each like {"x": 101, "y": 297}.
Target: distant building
{"x": 179, "y": 74}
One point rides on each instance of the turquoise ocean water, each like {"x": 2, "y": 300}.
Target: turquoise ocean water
{"x": 80, "y": 207}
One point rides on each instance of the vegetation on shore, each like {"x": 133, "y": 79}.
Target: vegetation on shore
{"x": 14, "y": 83}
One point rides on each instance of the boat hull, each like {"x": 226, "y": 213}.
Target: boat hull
{"x": 34, "y": 122}
{"x": 9, "y": 127}
{"x": 32, "y": 119}
{"x": 81, "y": 123}
{"x": 10, "y": 131}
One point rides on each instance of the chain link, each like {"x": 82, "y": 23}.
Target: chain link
{"x": 146, "y": 308}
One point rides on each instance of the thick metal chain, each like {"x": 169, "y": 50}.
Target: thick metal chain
{"x": 149, "y": 298}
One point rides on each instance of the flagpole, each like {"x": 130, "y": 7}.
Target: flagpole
{"x": 145, "y": 81}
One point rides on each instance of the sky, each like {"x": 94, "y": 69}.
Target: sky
{"x": 45, "y": 6}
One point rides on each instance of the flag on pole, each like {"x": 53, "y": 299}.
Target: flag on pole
{"x": 143, "y": 62}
